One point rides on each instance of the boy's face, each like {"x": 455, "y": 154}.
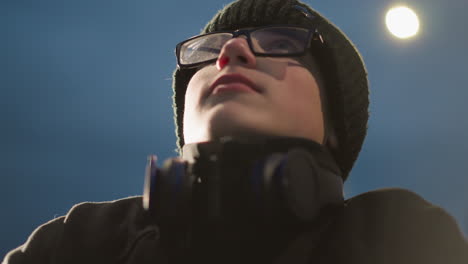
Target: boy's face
{"x": 252, "y": 97}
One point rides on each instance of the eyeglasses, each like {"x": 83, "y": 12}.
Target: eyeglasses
{"x": 270, "y": 41}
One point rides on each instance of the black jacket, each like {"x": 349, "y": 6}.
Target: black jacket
{"x": 384, "y": 226}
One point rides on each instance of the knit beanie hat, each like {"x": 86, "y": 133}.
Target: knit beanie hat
{"x": 340, "y": 64}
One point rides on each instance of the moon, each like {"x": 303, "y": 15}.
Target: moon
{"x": 402, "y": 22}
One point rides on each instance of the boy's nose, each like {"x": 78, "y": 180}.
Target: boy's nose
{"x": 236, "y": 51}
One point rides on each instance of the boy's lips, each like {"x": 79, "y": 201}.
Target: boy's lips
{"x": 233, "y": 82}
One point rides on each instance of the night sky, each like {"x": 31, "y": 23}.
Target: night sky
{"x": 85, "y": 96}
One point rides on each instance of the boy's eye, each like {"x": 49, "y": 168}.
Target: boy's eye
{"x": 280, "y": 46}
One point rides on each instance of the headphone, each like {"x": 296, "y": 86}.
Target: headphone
{"x": 286, "y": 180}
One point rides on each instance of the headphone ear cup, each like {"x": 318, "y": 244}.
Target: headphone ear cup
{"x": 300, "y": 186}
{"x": 174, "y": 192}
{"x": 305, "y": 186}
{"x": 168, "y": 191}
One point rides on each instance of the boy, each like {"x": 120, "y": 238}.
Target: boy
{"x": 271, "y": 111}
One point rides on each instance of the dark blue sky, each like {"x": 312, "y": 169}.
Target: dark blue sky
{"x": 85, "y": 96}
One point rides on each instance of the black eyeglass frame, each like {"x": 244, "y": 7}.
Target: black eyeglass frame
{"x": 313, "y": 35}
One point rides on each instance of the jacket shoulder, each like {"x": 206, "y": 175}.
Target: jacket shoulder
{"x": 388, "y": 198}
{"x": 104, "y": 213}
{"x": 401, "y": 225}
{"x": 37, "y": 247}
{"x": 90, "y": 230}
